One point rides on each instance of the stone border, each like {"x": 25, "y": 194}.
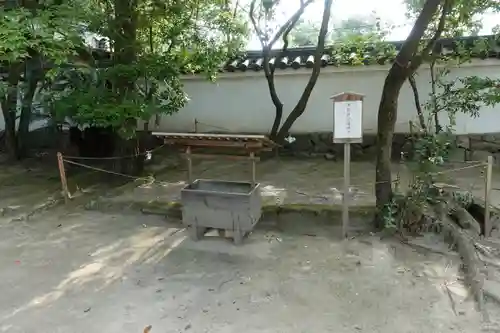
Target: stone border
{"x": 272, "y": 215}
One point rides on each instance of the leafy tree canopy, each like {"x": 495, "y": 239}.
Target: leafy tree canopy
{"x": 149, "y": 44}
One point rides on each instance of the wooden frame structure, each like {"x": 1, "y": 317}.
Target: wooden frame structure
{"x": 250, "y": 144}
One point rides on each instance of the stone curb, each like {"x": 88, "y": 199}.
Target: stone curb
{"x": 319, "y": 213}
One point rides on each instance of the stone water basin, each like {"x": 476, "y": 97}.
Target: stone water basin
{"x": 224, "y": 205}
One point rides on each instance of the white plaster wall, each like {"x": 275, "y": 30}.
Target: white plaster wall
{"x": 240, "y": 102}
{"x": 33, "y": 126}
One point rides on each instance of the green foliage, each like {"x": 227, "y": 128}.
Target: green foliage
{"x": 430, "y": 148}
{"x": 362, "y": 50}
{"x": 171, "y": 38}
{"x": 429, "y": 152}
{"x": 168, "y": 38}
{"x": 90, "y": 100}
{"x": 305, "y": 33}
{"x": 357, "y": 26}
{"x": 467, "y": 95}
{"x": 465, "y": 16}
{"x": 52, "y": 32}
{"x": 34, "y": 37}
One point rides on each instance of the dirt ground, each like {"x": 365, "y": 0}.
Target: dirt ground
{"x": 74, "y": 270}
{"x": 93, "y": 272}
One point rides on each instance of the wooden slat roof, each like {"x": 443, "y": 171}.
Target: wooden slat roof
{"x": 240, "y": 138}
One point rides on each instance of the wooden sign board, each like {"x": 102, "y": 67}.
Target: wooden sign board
{"x": 348, "y": 122}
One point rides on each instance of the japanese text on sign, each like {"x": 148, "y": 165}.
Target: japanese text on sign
{"x": 348, "y": 122}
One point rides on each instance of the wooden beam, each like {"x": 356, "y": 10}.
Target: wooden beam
{"x": 229, "y": 157}
{"x": 167, "y": 135}
{"x": 214, "y": 144}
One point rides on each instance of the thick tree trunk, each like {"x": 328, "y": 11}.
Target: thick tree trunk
{"x": 387, "y": 115}
{"x": 406, "y": 63}
{"x": 125, "y": 42}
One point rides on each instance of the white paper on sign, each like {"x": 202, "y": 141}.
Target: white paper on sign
{"x": 348, "y": 120}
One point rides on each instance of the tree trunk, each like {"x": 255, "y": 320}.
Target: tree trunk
{"x": 406, "y": 63}
{"x": 293, "y": 116}
{"x": 25, "y": 118}
{"x": 10, "y": 140}
{"x": 435, "y": 111}
{"x": 278, "y": 105}
{"x": 9, "y": 108}
{"x": 125, "y": 42}
{"x": 387, "y": 115}
{"x": 418, "y": 106}
{"x": 299, "y": 109}
{"x": 277, "y": 122}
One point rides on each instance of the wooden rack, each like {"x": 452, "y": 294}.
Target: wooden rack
{"x": 250, "y": 144}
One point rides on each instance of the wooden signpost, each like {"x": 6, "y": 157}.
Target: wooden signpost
{"x": 347, "y": 129}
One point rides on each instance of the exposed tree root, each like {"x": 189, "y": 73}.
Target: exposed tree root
{"x": 462, "y": 231}
{"x": 470, "y": 262}
{"x": 464, "y": 219}
{"x": 459, "y": 218}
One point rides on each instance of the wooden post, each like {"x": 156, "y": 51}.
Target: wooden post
{"x": 195, "y": 125}
{"x": 470, "y": 154}
{"x": 62, "y": 174}
{"x": 189, "y": 164}
{"x": 252, "y": 158}
{"x": 346, "y": 195}
{"x": 487, "y": 197}
{"x": 347, "y": 129}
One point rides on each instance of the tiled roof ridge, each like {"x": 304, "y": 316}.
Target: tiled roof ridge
{"x": 334, "y": 55}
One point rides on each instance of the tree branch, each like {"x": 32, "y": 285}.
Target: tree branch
{"x": 287, "y": 26}
{"x": 283, "y": 33}
{"x": 439, "y": 31}
{"x": 410, "y": 46}
{"x": 418, "y": 106}
{"x": 255, "y": 25}
{"x": 304, "y": 98}
{"x": 291, "y": 21}
{"x": 417, "y": 61}
{"x": 285, "y": 40}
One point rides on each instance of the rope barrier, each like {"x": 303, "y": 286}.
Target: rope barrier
{"x": 483, "y": 164}
{"x": 197, "y": 122}
{"x": 146, "y": 153}
{"x": 104, "y": 170}
{"x": 459, "y": 169}
{"x": 150, "y": 180}
{"x": 212, "y": 126}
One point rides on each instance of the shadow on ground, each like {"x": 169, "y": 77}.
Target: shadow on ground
{"x": 95, "y": 272}
{"x": 71, "y": 270}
